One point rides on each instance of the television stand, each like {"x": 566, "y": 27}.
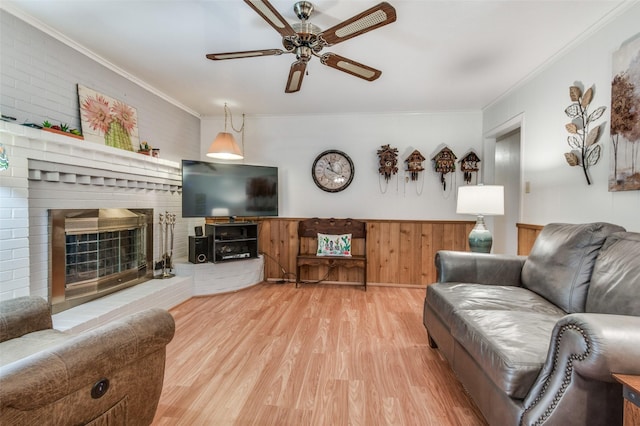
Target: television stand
{"x": 233, "y": 240}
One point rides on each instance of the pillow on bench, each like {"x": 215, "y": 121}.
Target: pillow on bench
{"x": 334, "y": 245}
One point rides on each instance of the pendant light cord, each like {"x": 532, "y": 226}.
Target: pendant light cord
{"x": 227, "y": 113}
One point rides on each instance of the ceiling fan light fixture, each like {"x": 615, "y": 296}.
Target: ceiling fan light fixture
{"x": 304, "y": 53}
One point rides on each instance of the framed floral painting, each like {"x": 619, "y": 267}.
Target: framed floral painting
{"x": 625, "y": 118}
{"x": 107, "y": 120}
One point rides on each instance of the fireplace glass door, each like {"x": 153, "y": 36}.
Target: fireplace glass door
{"x": 95, "y": 252}
{"x": 97, "y": 255}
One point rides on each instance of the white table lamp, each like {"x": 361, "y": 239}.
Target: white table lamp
{"x": 480, "y": 200}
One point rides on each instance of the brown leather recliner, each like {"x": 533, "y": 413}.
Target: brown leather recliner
{"x": 109, "y": 375}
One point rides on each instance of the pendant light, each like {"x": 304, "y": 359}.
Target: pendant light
{"x": 224, "y": 146}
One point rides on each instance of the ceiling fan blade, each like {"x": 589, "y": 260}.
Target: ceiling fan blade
{"x": 271, "y": 15}
{"x": 350, "y": 66}
{"x": 245, "y": 54}
{"x": 296, "y": 74}
{"x": 366, "y": 21}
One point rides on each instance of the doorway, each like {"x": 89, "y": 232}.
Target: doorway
{"x": 507, "y": 173}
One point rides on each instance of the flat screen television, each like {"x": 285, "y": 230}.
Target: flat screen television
{"x": 222, "y": 189}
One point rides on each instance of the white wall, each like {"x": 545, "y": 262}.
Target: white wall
{"x": 292, "y": 143}
{"x": 559, "y": 193}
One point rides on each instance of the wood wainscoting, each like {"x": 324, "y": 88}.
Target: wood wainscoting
{"x": 399, "y": 253}
{"x": 527, "y": 235}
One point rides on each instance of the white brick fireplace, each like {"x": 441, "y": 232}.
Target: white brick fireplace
{"x": 51, "y": 171}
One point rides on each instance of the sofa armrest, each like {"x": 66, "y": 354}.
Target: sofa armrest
{"x": 614, "y": 345}
{"x": 23, "y": 315}
{"x": 49, "y": 375}
{"x": 585, "y": 350}
{"x": 480, "y": 268}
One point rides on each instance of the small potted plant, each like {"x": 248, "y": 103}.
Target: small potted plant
{"x": 145, "y": 148}
{"x": 62, "y": 129}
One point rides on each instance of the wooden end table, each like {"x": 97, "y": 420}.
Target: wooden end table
{"x": 631, "y": 393}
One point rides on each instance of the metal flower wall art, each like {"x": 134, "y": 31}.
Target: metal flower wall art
{"x": 583, "y": 137}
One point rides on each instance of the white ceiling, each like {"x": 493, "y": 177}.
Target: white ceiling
{"x": 438, "y": 56}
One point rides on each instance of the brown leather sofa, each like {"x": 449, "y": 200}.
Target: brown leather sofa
{"x": 534, "y": 340}
{"x": 111, "y": 375}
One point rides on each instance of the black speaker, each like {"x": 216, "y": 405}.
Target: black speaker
{"x": 199, "y": 249}
{"x": 198, "y": 230}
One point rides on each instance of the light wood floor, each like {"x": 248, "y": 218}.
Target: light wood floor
{"x": 316, "y": 355}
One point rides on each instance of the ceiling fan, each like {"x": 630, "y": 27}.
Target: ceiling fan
{"x": 307, "y": 40}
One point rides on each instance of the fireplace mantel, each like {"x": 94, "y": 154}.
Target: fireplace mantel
{"x": 48, "y": 171}
{"x": 56, "y": 157}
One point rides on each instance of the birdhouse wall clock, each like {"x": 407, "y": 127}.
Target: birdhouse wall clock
{"x": 414, "y": 167}
{"x": 469, "y": 166}
{"x": 414, "y": 164}
{"x": 387, "y": 165}
{"x": 444, "y": 162}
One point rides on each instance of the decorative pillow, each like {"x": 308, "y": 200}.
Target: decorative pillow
{"x": 334, "y": 245}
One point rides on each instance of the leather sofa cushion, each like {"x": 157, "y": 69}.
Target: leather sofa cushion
{"x": 509, "y": 346}
{"x": 447, "y": 298}
{"x": 561, "y": 261}
{"x": 615, "y": 284}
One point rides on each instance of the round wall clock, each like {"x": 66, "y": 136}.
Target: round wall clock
{"x": 332, "y": 171}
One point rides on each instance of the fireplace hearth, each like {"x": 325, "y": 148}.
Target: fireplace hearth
{"x": 95, "y": 252}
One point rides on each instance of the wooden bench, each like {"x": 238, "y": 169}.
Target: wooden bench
{"x": 308, "y": 231}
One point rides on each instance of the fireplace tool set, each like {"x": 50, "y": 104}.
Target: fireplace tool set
{"x": 166, "y": 239}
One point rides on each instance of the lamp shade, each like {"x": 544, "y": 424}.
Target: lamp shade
{"x": 486, "y": 200}
{"x": 224, "y": 147}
